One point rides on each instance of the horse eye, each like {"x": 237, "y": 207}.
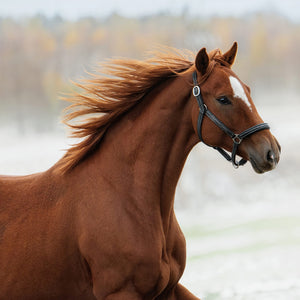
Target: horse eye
{"x": 224, "y": 100}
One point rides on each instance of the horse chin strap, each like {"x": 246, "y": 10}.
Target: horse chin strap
{"x": 236, "y": 138}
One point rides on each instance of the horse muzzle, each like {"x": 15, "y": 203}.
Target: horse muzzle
{"x": 266, "y": 157}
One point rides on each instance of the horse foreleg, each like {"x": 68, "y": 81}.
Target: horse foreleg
{"x": 181, "y": 293}
{"x": 124, "y": 295}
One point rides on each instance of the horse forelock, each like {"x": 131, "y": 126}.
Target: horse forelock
{"x": 216, "y": 58}
{"x": 104, "y": 97}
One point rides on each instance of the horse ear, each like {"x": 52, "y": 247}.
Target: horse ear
{"x": 202, "y": 61}
{"x": 229, "y": 56}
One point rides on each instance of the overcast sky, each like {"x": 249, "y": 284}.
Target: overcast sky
{"x": 73, "y": 9}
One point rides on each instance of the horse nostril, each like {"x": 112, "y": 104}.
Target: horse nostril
{"x": 270, "y": 156}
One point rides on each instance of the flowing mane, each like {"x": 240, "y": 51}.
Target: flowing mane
{"x": 121, "y": 84}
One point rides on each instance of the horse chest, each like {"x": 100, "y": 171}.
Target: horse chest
{"x": 164, "y": 267}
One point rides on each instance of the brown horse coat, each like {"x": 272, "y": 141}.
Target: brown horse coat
{"x": 100, "y": 224}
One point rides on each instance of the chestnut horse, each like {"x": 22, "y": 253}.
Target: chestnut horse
{"x": 100, "y": 224}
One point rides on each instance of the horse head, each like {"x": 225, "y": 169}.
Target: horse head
{"x": 228, "y": 118}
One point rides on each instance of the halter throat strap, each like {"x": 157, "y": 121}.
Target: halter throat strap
{"x": 236, "y": 138}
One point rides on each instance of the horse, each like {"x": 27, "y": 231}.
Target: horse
{"x": 100, "y": 223}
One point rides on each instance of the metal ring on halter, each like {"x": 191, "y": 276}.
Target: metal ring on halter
{"x": 236, "y": 139}
{"x": 196, "y": 90}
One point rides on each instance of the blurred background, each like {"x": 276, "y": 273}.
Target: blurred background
{"x": 242, "y": 229}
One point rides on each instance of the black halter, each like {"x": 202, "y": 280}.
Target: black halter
{"x": 236, "y": 138}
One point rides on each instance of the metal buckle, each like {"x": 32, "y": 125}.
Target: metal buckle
{"x": 235, "y": 165}
{"x": 236, "y": 139}
{"x": 196, "y": 90}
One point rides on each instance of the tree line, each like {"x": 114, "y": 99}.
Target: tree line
{"x": 39, "y": 55}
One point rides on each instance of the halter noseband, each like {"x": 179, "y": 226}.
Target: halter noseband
{"x": 236, "y": 138}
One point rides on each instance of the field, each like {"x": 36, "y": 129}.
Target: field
{"x": 242, "y": 229}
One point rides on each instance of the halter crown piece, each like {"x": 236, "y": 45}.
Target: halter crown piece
{"x": 236, "y": 138}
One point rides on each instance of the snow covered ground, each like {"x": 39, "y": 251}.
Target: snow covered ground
{"x": 242, "y": 229}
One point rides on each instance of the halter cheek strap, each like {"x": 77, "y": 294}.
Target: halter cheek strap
{"x": 236, "y": 138}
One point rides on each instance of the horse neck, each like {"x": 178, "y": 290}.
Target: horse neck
{"x": 143, "y": 154}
